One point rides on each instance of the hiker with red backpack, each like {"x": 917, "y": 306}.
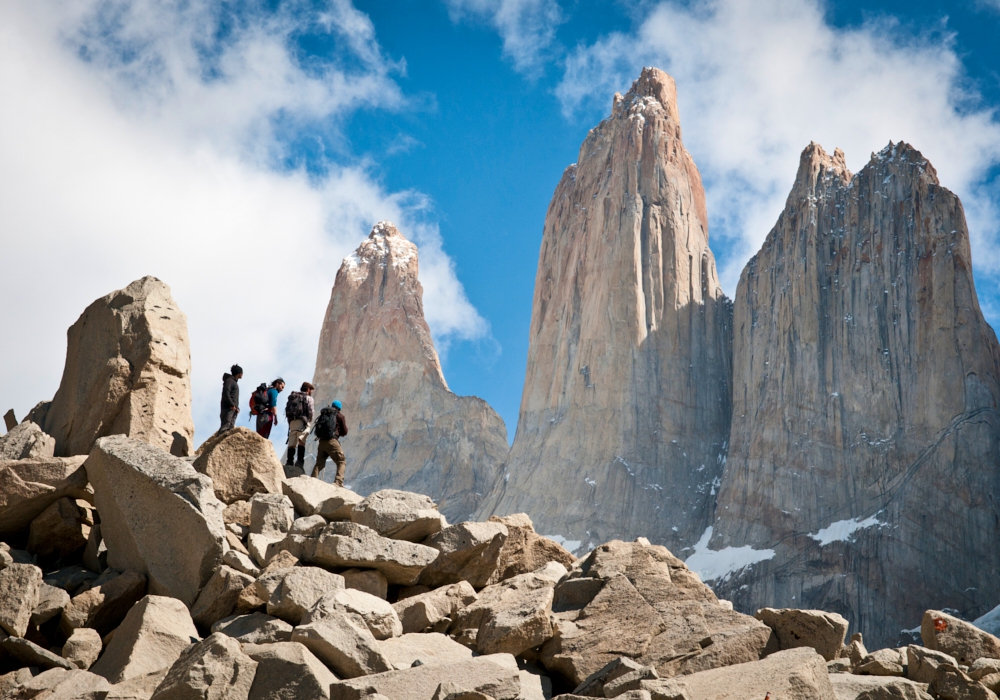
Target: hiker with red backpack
{"x": 264, "y": 405}
{"x": 330, "y": 427}
{"x": 299, "y": 412}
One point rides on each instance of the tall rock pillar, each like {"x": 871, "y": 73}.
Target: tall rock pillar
{"x": 865, "y": 444}
{"x": 128, "y": 372}
{"x": 625, "y": 411}
{"x": 376, "y": 355}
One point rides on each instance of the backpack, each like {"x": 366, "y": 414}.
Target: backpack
{"x": 326, "y": 425}
{"x": 296, "y": 407}
{"x": 259, "y": 401}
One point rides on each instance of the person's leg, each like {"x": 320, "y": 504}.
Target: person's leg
{"x": 290, "y": 459}
{"x": 321, "y": 455}
{"x": 300, "y": 460}
{"x": 228, "y": 419}
{"x": 338, "y": 456}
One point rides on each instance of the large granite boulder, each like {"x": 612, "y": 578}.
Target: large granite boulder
{"x": 128, "y": 367}
{"x": 104, "y": 606}
{"x": 494, "y": 675}
{"x": 638, "y": 601}
{"x": 152, "y": 636}
{"x": 213, "y": 668}
{"x": 823, "y": 631}
{"x": 26, "y": 441}
{"x": 27, "y": 487}
{"x": 626, "y": 405}
{"x": 288, "y": 671}
{"x": 314, "y": 497}
{"x": 407, "y": 429}
{"x": 19, "y": 589}
{"x": 401, "y": 515}
{"x": 469, "y": 552}
{"x": 524, "y": 550}
{"x": 240, "y": 463}
{"x": 158, "y": 516}
{"x": 962, "y": 640}
{"x": 354, "y": 545}
{"x": 61, "y": 529}
{"x": 796, "y": 674}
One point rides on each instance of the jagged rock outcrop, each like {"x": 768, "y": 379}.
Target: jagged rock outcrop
{"x": 128, "y": 367}
{"x": 376, "y": 355}
{"x": 625, "y": 411}
{"x": 865, "y": 447}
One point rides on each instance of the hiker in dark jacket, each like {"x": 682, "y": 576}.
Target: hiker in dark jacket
{"x": 230, "y": 398}
{"x": 330, "y": 427}
{"x": 267, "y": 416}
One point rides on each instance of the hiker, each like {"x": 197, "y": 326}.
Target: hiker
{"x": 299, "y": 411}
{"x": 230, "y": 398}
{"x": 264, "y": 404}
{"x": 329, "y": 428}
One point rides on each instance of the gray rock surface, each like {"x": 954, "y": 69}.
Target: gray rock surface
{"x": 860, "y": 311}
{"x": 379, "y": 616}
{"x": 83, "y": 647}
{"x": 314, "y": 497}
{"x": 240, "y": 463}
{"x": 823, "y": 631}
{"x": 20, "y": 585}
{"x": 429, "y": 649}
{"x": 288, "y": 671}
{"x": 354, "y": 545}
{"x": 420, "y": 612}
{"x": 847, "y": 686}
{"x": 128, "y": 367}
{"x": 958, "y": 638}
{"x": 795, "y": 674}
{"x": 104, "y": 606}
{"x": 469, "y": 552}
{"x": 495, "y": 675}
{"x": 271, "y": 514}
{"x": 213, "y": 669}
{"x": 145, "y": 496}
{"x": 30, "y": 654}
{"x": 152, "y": 636}
{"x": 401, "y": 515}
{"x": 28, "y": 487}
{"x": 342, "y": 641}
{"x": 407, "y": 430}
{"x": 218, "y": 598}
{"x": 255, "y": 628}
{"x": 61, "y": 529}
{"x": 627, "y": 391}
{"x": 300, "y": 589}
{"x": 26, "y": 441}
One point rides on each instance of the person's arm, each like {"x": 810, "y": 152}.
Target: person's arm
{"x": 341, "y": 424}
{"x": 272, "y": 402}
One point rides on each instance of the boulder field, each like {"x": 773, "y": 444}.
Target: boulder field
{"x": 130, "y": 577}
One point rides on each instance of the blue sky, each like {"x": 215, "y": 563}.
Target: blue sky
{"x": 207, "y": 142}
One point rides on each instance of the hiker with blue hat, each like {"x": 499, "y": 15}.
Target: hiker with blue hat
{"x": 330, "y": 427}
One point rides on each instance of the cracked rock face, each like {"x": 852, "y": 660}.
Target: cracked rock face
{"x": 626, "y": 396}
{"x": 865, "y": 434}
{"x": 127, "y": 372}
{"x": 407, "y": 430}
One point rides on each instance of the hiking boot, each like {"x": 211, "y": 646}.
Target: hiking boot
{"x": 300, "y": 460}
{"x": 291, "y": 457}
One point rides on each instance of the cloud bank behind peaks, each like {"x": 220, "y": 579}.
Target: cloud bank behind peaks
{"x": 154, "y": 138}
{"x": 758, "y": 81}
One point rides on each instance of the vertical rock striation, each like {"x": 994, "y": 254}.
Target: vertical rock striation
{"x": 128, "y": 372}
{"x": 407, "y": 430}
{"x": 865, "y": 434}
{"x": 625, "y": 410}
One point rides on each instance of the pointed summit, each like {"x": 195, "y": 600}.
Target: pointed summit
{"x": 625, "y": 410}
{"x": 376, "y": 355}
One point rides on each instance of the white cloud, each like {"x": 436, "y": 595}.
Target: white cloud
{"x": 758, "y": 81}
{"x": 134, "y": 140}
{"x": 527, "y": 27}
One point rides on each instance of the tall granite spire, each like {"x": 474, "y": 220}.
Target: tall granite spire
{"x": 865, "y": 444}
{"x": 625, "y": 411}
{"x": 376, "y": 355}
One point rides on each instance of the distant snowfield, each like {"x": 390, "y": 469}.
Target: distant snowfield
{"x": 713, "y": 565}
{"x": 843, "y": 530}
{"x": 990, "y": 622}
{"x": 570, "y": 545}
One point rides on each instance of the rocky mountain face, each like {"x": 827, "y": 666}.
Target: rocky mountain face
{"x": 864, "y": 454}
{"x": 128, "y": 371}
{"x": 625, "y": 411}
{"x": 376, "y": 355}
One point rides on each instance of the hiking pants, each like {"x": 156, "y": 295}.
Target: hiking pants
{"x": 228, "y": 418}
{"x": 265, "y": 421}
{"x": 331, "y": 449}
{"x": 298, "y": 431}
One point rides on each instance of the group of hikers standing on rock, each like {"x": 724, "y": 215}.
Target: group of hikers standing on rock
{"x": 300, "y": 412}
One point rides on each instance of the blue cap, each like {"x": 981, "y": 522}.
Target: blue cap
{"x": 337, "y": 405}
